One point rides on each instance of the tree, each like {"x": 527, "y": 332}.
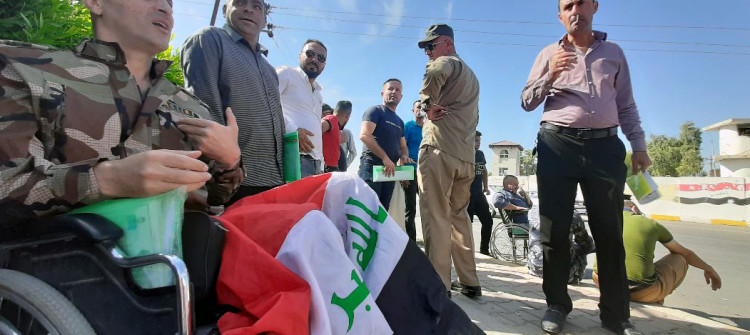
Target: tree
{"x": 690, "y": 136}
{"x": 174, "y": 73}
{"x": 59, "y": 23}
{"x": 528, "y": 163}
{"x": 691, "y": 163}
{"x": 665, "y": 155}
{"x": 676, "y": 156}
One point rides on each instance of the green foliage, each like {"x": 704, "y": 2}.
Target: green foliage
{"x": 174, "y": 73}
{"x": 676, "y": 157}
{"x": 690, "y": 135}
{"x": 691, "y": 163}
{"x": 528, "y": 163}
{"x": 59, "y": 23}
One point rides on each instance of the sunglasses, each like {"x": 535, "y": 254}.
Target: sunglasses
{"x": 431, "y": 46}
{"x": 311, "y": 54}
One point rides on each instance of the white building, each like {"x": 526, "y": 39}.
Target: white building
{"x": 734, "y": 147}
{"x": 506, "y": 158}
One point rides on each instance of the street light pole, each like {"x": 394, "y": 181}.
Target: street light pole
{"x": 216, "y": 11}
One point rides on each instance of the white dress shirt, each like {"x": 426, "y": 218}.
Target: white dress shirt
{"x": 302, "y": 105}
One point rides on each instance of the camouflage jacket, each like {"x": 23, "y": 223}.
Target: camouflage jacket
{"x": 62, "y": 112}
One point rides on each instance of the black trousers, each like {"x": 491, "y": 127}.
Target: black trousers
{"x": 478, "y": 206}
{"x": 598, "y": 165}
{"x": 411, "y": 208}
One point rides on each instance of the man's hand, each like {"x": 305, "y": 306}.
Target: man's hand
{"x": 150, "y": 173}
{"x": 436, "y": 112}
{"x": 305, "y": 144}
{"x": 405, "y": 160}
{"x": 405, "y": 184}
{"x": 389, "y": 168}
{"x": 712, "y": 278}
{"x": 562, "y": 60}
{"x": 215, "y": 141}
{"x": 487, "y": 191}
{"x": 639, "y": 161}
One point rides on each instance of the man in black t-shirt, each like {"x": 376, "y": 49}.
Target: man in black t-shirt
{"x": 384, "y": 143}
{"x": 478, "y": 202}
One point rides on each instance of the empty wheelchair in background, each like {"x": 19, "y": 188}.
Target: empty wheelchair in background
{"x": 510, "y": 241}
{"x": 65, "y": 276}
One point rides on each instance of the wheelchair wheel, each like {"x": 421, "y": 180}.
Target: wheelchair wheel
{"x": 510, "y": 242}
{"x": 30, "y": 306}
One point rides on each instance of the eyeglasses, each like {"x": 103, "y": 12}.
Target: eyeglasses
{"x": 431, "y": 46}
{"x": 311, "y": 54}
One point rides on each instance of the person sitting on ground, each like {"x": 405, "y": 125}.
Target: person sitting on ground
{"x": 513, "y": 199}
{"x": 652, "y": 282}
{"x": 80, "y": 127}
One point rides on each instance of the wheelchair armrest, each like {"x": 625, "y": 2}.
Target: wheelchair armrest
{"x": 91, "y": 227}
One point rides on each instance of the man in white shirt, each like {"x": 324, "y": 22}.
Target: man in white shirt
{"x": 301, "y": 103}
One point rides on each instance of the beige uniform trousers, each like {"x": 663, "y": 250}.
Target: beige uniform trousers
{"x": 444, "y": 182}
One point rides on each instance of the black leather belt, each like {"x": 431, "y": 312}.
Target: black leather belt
{"x": 581, "y": 133}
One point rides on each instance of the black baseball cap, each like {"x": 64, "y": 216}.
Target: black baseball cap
{"x": 435, "y": 31}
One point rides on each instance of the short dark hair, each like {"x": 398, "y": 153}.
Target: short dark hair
{"x": 390, "y": 80}
{"x": 507, "y": 178}
{"x": 558, "y": 5}
{"x": 326, "y": 107}
{"x": 318, "y": 42}
{"x": 415, "y": 102}
{"x": 479, "y": 134}
{"x": 344, "y": 105}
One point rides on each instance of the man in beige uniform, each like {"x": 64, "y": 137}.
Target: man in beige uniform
{"x": 450, "y": 95}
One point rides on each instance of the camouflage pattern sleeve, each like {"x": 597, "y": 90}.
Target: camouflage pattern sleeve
{"x": 30, "y": 184}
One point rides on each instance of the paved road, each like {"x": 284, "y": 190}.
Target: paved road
{"x": 726, "y": 248}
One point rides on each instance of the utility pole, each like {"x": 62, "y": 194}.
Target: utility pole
{"x": 216, "y": 11}
{"x": 713, "y": 172}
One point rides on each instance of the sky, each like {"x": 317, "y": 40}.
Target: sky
{"x": 688, "y": 59}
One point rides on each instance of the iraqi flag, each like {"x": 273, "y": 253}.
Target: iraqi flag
{"x": 322, "y": 256}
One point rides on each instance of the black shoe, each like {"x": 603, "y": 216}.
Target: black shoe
{"x": 620, "y": 327}
{"x": 485, "y": 252}
{"x": 456, "y": 286}
{"x": 471, "y": 291}
{"x": 554, "y": 319}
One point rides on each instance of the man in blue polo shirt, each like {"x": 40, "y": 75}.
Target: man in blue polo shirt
{"x": 413, "y": 136}
{"x": 383, "y": 136}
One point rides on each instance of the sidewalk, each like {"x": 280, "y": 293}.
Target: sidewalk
{"x": 513, "y": 303}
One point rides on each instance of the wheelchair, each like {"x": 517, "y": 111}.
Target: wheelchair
{"x": 64, "y": 276}
{"x": 510, "y": 241}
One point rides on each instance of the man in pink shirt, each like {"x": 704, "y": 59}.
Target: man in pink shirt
{"x": 584, "y": 83}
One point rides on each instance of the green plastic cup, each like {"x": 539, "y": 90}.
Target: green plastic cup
{"x": 151, "y": 225}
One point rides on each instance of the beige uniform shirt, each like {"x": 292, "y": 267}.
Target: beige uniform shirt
{"x": 450, "y": 83}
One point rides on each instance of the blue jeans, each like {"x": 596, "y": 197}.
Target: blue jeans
{"x": 309, "y": 166}
{"x": 384, "y": 190}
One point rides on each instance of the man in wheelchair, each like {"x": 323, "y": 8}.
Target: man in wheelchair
{"x": 513, "y": 199}
{"x": 101, "y": 122}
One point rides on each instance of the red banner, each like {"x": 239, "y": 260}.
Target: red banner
{"x": 713, "y": 187}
